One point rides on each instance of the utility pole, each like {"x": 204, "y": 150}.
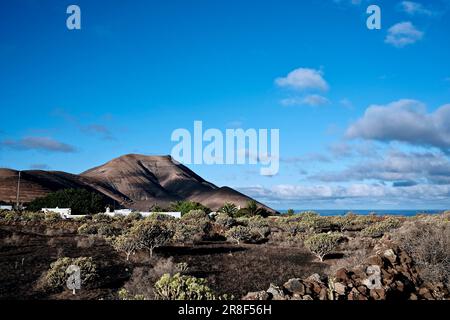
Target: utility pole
{"x": 18, "y": 192}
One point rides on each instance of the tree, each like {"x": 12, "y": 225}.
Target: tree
{"x": 323, "y": 243}
{"x": 151, "y": 234}
{"x": 80, "y": 201}
{"x": 126, "y": 243}
{"x": 229, "y": 208}
{"x": 252, "y": 207}
{"x": 290, "y": 212}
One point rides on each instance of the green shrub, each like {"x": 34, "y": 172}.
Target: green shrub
{"x": 107, "y": 230}
{"x": 56, "y": 277}
{"x": 380, "y": 228}
{"x": 310, "y": 220}
{"x": 239, "y": 234}
{"x": 160, "y": 217}
{"x": 195, "y": 215}
{"x": 101, "y": 217}
{"x": 87, "y": 229}
{"x": 179, "y": 287}
{"x": 189, "y": 232}
{"x": 52, "y": 217}
{"x": 151, "y": 234}
{"x": 13, "y": 216}
{"x": 225, "y": 220}
{"x": 3, "y": 213}
{"x": 323, "y": 243}
{"x": 134, "y": 216}
{"x": 32, "y": 216}
{"x": 123, "y": 294}
{"x": 259, "y": 228}
{"x": 186, "y": 206}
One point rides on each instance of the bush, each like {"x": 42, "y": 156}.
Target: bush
{"x": 101, "y": 217}
{"x": 186, "y": 206}
{"x": 80, "y": 201}
{"x": 55, "y": 279}
{"x": 32, "y": 216}
{"x": 429, "y": 246}
{"x": 239, "y": 233}
{"x": 143, "y": 279}
{"x": 310, "y": 220}
{"x": 13, "y": 216}
{"x": 52, "y": 217}
{"x": 259, "y": 228}
{"x": 378, "y": 229}
{"x": 195, "y": 215}
{"x": 123, "y": 294}
{"x": 189, "y": 232}
{"x": 108, "y": 230}
{"x": 179, "y": 287}
{"x": 160, "y": 217}
{"x": 151, "y": 234}
{"x": 225, "y": 220}
{"x": 134, "y": 216}
{"x": 87, "y": 229}
{"x": 323, "y": 243}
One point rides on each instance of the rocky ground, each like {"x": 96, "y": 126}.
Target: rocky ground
{"x": 389, "y": 274}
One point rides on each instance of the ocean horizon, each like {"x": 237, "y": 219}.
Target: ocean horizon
{"x": 340, "y": 212}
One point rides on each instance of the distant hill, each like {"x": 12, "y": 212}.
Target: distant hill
{"x": 133, "y": 180}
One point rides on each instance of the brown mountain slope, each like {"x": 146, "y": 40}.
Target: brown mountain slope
{"x": 132, "y": 180}
{"x": 37, "y": 183}
{"x": 150, "y": 180}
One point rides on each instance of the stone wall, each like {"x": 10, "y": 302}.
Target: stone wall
{"x": 389, "y": 274}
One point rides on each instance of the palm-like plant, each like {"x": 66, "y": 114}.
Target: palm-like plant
{"x": 229, "y": 209}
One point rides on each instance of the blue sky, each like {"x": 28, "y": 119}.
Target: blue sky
{"x": 375, "y": 137}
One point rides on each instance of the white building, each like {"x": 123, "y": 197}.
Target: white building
{"x": 176, "y": 215}
{"x": 126, "y": 212}
{"x": 65, "y": 213}
{"x": 120, "y": 212}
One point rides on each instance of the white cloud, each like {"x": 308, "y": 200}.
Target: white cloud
{"x": 303, "y": 79}
{"x": 366, "y": 192}
{"x": 313, "y": 100}
{"x": 404, "y": 121}
{"x": 346, "y": 103}
{"x": 38, "y": 143}
{"x": 352, "y": 2}
{"x": 414, "y": 8}
{"x": 403, "y": 34}
{"x": 431, "y": 167}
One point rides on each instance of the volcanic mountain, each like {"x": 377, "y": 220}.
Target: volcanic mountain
{"x": 134, "y": 181}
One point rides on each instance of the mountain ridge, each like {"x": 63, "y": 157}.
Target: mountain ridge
{"x": 132, "y": 180}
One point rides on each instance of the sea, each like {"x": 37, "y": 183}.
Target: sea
{"x": 407, "y": 213}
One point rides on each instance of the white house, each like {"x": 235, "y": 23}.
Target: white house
{"x": 65, "y": 213}
{"x": 126, "y": 212}
{"x": 120, "y": 212}
{"x": 176, "y": 215}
